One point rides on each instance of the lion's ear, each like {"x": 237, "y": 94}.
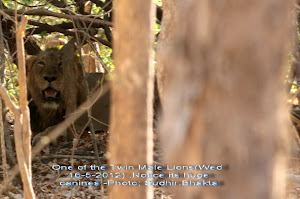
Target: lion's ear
{"x": 29, "y": 63}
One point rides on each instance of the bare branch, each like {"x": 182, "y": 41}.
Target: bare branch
{"x": 103, "y": 41}
{"x": 7, "y": 100}
{"x": 64, "y": 26}
{"x": 21, "y": 64}
{"x": 22, "y": 124}
{"x": 58, "y": 28}
{"x": 43, "y": 12}
{"x": 48, "y": 28}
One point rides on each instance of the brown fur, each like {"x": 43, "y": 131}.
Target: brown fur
{"x": 47, "y": 84}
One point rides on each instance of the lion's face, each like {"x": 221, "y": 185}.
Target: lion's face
{"x": 45, "y": 78}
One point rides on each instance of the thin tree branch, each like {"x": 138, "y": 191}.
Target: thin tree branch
{"x": 21, "y": 64}
{"x": 64, "y": 26}
{"x": 50, "y": 28}
{"x": 103, "y": 41}
{"x": 22, "y": 122}
{"x": 7, "y": 100}
{"x": 43, "y": 12}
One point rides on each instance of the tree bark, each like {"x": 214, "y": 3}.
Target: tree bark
{"x": 132, "y": 92}
{"x": 22, "y": 122}
{"x": 166, "y": 36}
{"x": 224, "y": 96}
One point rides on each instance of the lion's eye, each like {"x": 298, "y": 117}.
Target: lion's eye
{"x": 41, "y": 63}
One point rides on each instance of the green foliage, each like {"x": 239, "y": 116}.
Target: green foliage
{"x": 11, "y": 81}
{"x": 27, "y": 1}
{"x": 294, "y": 88}
{"x": 292, "y": 58}
{"x": 95, "y": 9}
{"x": 109, "y": 76}
{"x": 157, "y": 28}
{"x": 10, "y": 5}
{"x": 158, "y": 2}
{"x": 106, "y": 56}
{"x": 42, "y": 34}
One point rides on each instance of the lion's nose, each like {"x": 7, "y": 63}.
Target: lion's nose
{"x": 49, "y": 79}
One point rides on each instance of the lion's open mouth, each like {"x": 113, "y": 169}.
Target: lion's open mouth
{"x": 50, "y": 94}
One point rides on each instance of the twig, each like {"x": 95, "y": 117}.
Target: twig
{"x": 98, "y": 121}
{"x": 102, "y": 41}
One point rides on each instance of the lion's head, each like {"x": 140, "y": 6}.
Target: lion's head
{"x": 47, "y": 85}
{"x": 45, "y": 78}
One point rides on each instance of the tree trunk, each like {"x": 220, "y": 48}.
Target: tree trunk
{"x": 224, "y": 95}
{"x": 132, "y": 93}
{"x": 166, "y": 37}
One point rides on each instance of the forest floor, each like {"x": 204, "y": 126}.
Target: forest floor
{"x": 50, "y": 182}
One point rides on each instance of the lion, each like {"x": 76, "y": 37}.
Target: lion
{"x": 48, "y": 84}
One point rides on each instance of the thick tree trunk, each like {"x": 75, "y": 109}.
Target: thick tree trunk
{"x": 224, "y": 96}
{"x": 132, "y": 92}
{"x": 166, "y": 37}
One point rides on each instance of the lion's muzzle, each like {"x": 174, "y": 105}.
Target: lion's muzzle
{"x": 51, "y": 95}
